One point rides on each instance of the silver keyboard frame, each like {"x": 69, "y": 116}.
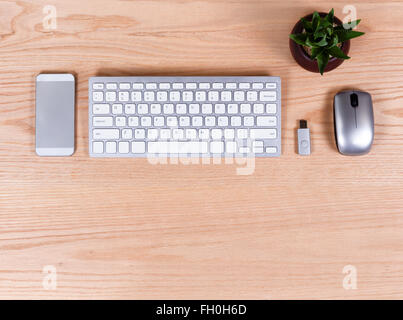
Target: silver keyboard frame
{"x": 238, "y": 79}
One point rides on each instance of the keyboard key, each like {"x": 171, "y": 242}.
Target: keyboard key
{"x": 236, "y": 121}
{"x": 248, "y": 121}
{"x": 124, "y": 147}
{"x": 105, "y": 134}
{"x": 184, "y": 121}
{"x": 245, "y": 108}
{"x": 226, "y": 96}
{"x": 155, "y": 108}
{"x": 165, "y": 86}
{"x": 162, "y": 96}
{"x": 138, "y": 86}
{"x": 145, "y": 121}
{"x": 111, "y": 147}
{"x": 258, "y": 108}
{"x": 159, "y": 121}
{"x": 232, "y": 108}
{"x": 98, "y": 147}
{"x": 187, "y": 96}
{"x": 207, "y": 108}
{"x": 229, "y": 134}
{"x": 177, "y": 86}
{"x": 213, "y": 96}
{"x": 117, "y": 108}
{"x": 263, "y": 133}
{"x": 257, "y": 85}
{"x": 136, "y": 96}
{"x": 178, "y": 134}
{"x": 102, "y": 121}
{"x": 267, "y": 96}
{"x": 111, "y": 86}
{"x": 266, "y": 121}
{"x": 97, "y": 96}
{"x": 98, "y": 86}
{"x": 177, "y": 147}
{"x": 204, "y": 85}
{"x": 197, "y": 121}
{"x": 219, "y": 108}
{"x": 110, "y": 96}
{"x": 251, "y": 96}
{"x": 191, "y": 134}
{"x": 209, "y": 121}
{"x": 271, "y": 85}
{"x": 244, "y": 85}
{"x": 242, "y": 133}
{"x": 230, "y": 147}
{"x": 174, "y": 96}
{"x": 133, "y": 121}
{"x": 217, "y": 147}
{"x": 139, "y": 134}
{"x": 123, "y": 96}
{"x": 138, "y": 147}
{"x": 100, "y": 109}
{"x": 222, "y": 121}
{"x": 168, "y": 108}
{"x": 204, "y": 134}
{"x": 151, "y": 86}
{"x": 218, "y": 85}
{"x": 127, "y": 134}
{"x": 271, "y": 108}
{"x": 130, "y": 109}
{"x": 124, "y": 86}
{"x": 271, "y": 150}
{"x": 152, "y": 134}
{"x": 172, "y": 121}
{"x": 165, "y": 133}
{"x": 216, "y": 134}
{"x": 120, "y": 121}
{"x": 239, "y": 96}
{"x": 149, "y": 96}
{"x": 191, "y": 85}
{"x": 142, "y": 108}
{"x": 230, "y": 85}
{"x": 181, "y": 108}
{"x": 194, "y": 108}
{"x": 200, "y": 96}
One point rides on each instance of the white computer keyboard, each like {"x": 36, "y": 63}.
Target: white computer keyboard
{"x": 184, "y": 116}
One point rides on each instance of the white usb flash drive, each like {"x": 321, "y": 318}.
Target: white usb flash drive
{"x": 304, "y": 139}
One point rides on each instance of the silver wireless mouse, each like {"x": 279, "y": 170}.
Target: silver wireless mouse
{"x": 353, "y": 122}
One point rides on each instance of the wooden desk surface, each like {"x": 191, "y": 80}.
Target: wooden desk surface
{"x": 124, "y": 228}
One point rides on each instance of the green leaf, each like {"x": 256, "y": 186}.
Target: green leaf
{"x": 307, "y": 25}
{"x": 299, "y": 38}
{"x": 330, "y": 16}
{"x": 348, "y": 26}
{"x": 322, "y": 42}
{"x": 345, "y": 35}
{"x": 315, "y": 52}
{"x": 323, "y": 59}
{"x": 334, "y": 41}
{"x": 315, "y": 21}
{"x": 337, "y": 53}
{"x": 311, "y": 43}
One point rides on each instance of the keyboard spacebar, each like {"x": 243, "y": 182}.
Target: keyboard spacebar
{"x": 184, "y": 147}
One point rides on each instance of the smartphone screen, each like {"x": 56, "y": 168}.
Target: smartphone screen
{"x": 55, "y": 114}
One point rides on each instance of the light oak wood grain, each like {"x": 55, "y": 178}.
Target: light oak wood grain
{"x": 124, "y": 228}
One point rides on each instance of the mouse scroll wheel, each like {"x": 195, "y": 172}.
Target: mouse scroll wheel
{"x": 354, "y": 100}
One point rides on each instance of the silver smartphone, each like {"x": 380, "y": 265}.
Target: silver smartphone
{"x": 55, "y": 100}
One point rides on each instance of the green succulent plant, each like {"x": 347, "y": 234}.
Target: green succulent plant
{"x": 323, "y": 37}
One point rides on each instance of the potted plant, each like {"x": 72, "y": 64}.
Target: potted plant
{"x": 320, "y": 42}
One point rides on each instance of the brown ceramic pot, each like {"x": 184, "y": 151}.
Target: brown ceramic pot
{"x": 303, "y": 58}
